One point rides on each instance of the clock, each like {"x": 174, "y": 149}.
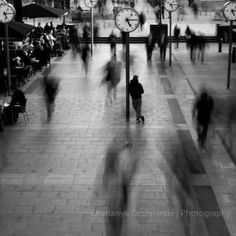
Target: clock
{"x": 127, "y": 19}
{"x": 229, "y": 10}
{"x": 7, "y": 13}
{"x": 90, "y": 3}
{"x": 171, "y": 5}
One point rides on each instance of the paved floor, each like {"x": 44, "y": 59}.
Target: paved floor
{"x": 52, "y": 172}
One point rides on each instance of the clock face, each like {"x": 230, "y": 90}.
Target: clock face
{"x": 127, "y": 19}
{"x": 229, "y": 10}
{"x": 7, "y": 13}
{"x": 90, "y": 3}
{"x": 171, "y": 5}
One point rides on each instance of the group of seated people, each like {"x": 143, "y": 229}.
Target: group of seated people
{"x": 34, "y": 52}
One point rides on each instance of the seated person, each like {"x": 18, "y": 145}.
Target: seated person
{"x": 11, "y": 112}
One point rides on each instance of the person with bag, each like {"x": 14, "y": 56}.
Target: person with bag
{"x": 136, "y": 91}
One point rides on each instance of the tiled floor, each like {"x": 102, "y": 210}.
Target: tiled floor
{"x": 51, "y": 182}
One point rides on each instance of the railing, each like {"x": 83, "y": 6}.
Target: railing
{"x": 103, "y": 40}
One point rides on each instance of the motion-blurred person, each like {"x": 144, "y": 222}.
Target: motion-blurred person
{"x": 85, "y": 57}
{"x": 74, "y": 40}
{"x": 150, "y": 44}
{"x": 117, "y": 178}
{"x": 86, "y": 33}
{"x": 180, "y": 13}
{"x": 51, "y": 86}
{"x": 142, "y": 19}
{"x": 112, "y": 78}
{"x": 177, "y": 35}
{"x": 136, "y": 91}
{"x": 112, "y": 40}
{"x": 112, "y": 183}
{"x": 202, "y": 112}
{"x": 162, "y": 43}
{"x": 193, "y": 45}
{"x": 231, "y": 123}
{"x": 183, "y": 189}
{"x": 201, "y": 47}
{"x": 157, "y": 12}
{"x": 195, "y": 10}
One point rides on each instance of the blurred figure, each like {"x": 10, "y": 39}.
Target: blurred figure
{"x": 142, "y": 19}
{"x": 46, "y": 29}
{"x": 150, "y": 44}
{"x": 183, "y": 190}
{"x": 113, "y": 186}
{"x": 117, "y": 177}
{"x": 180, "y": 14}
{"x": 195, "y": 10}
{"x": 201, "y": 47}
{"x": 202, "y": 111}
{"x": 188, "y": 34}
{"x": 178, "y": 179}
{"x": 193, "y": 45}
{"x": 136, "y": 91}
{"x": 85, "y": 56}
{"x": 74, "y": 40}
{"x": 177, "y": 35}
{"x": 112, "y": 40}
{"x": 96, "y": 31}
{"x": 231, "y": 123}
{"x": 157, "y": 12}
{"x": 162, "y": 43}
{"x": 50, "y": 86}
{"x": 112, "y": 78}
{"x": 85, "y": 35}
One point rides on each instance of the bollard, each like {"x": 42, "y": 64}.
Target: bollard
{"x": 220, "y": 45}
{"x": 234, "y": 55}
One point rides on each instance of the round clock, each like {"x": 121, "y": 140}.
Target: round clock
{"x": 229, "y": 10}
{"x": 90, "y": 3}
{"x": 127, "y": 19}
{"x": 171, "y": 5}
{"x": 7, "y": 13}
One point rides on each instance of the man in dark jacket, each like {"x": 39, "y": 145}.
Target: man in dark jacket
{"x": 136, "y": 91}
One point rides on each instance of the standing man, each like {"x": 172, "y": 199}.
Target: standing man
{"x": 136, "y": 91}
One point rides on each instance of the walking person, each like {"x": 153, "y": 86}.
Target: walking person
{"x": 202, "y": 111}
{"x": 163, "y": 43}
{"x": 177, "y": 35}
{"x": 150, "y": 44}
{"x": 142, "y": 20}
{"x": 112, "y": 78}
{"x": 112, "y": 40}
{"x": 85, "y": 56}
{"x": 136, "y": 91}
{"x": 50, "y": 85}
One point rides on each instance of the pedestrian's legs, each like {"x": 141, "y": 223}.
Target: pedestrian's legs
{"x": 204, "y": 133}
{"x": 137, "y": 103}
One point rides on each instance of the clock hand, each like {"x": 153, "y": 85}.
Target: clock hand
{"x": 133, "y": 19}
{"x": 5, "y": 14}
{"x": 233, "y": 11}
{"x": 128, "y": 22}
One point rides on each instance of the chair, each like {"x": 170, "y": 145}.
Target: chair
{"x": 22, "y": 109}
